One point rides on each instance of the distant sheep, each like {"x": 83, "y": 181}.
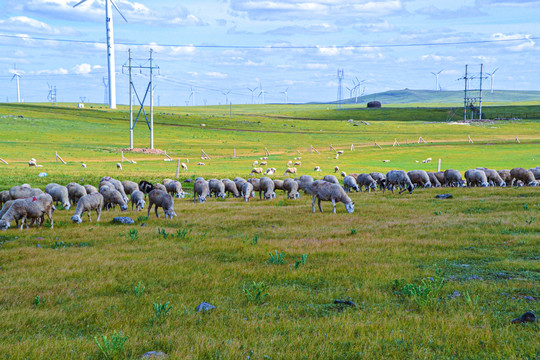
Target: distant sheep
{"x": 270, "y": 171}
{"x": 263, "y": 163}
{"x": 184, "y": 166}
{"x": 160, "y": 199}
{"x": 343, "y": 174}
{"x": 201, "y": 164}
{"x": 256, "y": 171}
{"x": 290, "y": 171}
{"x": 336, "y": 169}
{"x": 119, "y": 166}
{"x": 88, "y": 203}
{"x": 255, "y": 163}
{"x": 331, "y": 179}
{"x": 325, "y": 191}
{"x": 289, "y": 164}
{"x": 297, "y": 163}
{"x": 317, "y": 168}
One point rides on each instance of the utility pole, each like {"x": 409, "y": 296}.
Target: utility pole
{"x": 465, "y": 97}
{"x": 480, "y": 97}
{"x": 130, "y": 105}
{"x": 151, "y": 102}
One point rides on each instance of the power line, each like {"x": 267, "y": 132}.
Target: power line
{"x": 284, "y": 47}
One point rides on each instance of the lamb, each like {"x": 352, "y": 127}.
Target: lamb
{"x": 290, "y": 171}
{"x": 303, "y": 182}
{"x": 159, "y": 186}
{"x": 380, "y": 179}
{"x": 433, "y": 179}
{"x": 263, "y": 163}
{"x": 161, "y": 199}
{"x": 325, "y": 191}
{"x": 419, "y": 178}
{"x": 367, "y": 181}
{"x": 349, "y": 183}
{"x": 256, "y": 171}
{"x": 75, "y": 192}
{"x": 255, "y": 163}
{"x": 119, "y": 166}
{"x": 440, "y": 176}
{"x": 239, "y": 182}
{"x": 58, "y": 193}
{"x": 270, "y": 171}
{"x": 200, "y": 190}
{"x": 453, "y": 178}
{"x": 23, "y": 191}
{"x": 336, "y": 169}
{"x": 201, "y": 164}
{"x": 184, "y": 166}
{"x": 278, "y": 184}
{"x": 112, "y": 197}
{"x": 317, "y": 168}
{"x": 331, "y": 179}
{"x": 297, "y": 163}
{"x": 255, "y": 182}
{"x": 247, "y": 191}
{"x": 291, "y": 188}
{"x": 476, "y": 177}
{"x": 289, "y": 163}
{"x": 130, "y": 187}
{"x": 230, "y": 188}
{"x": 525, "y": 176}
{"x": 31, "y": 208}
{"x": 145, "y": 186}
{"x": 90, "y": 189}
{"x": 267, "y": 186}
{"x": 117, "y": 185}
{"x": 343, "y": 174}
{"x": 137, "y": 200}
{"x": 175, "y": 189}
{"x": 87, "y": 203}
{"x": 4, "y": 197}
{"x": 536, "y": 172}
{"x": 216, "y": 188}
{"x": 399, "y": 178}
{"x": 494, "y": 178}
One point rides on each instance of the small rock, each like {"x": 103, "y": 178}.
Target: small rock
{"x": 444, "y": 196}
{"x": 123, "y": 220}
{"x": 38, "y": 246}
{"x": 143, "y": 224}
{"x": 345, "y": 302}
{"x": 154, "y": 355}
{"x": 20, "y": 116}
{"x": 456, "y": 294}
{"x": 204, "y": 306}
{"x": 474, "y": 277}
{"x": 529, "y": 298}
{"x": 43, "y": 174}
{"x": 525, "y": 318}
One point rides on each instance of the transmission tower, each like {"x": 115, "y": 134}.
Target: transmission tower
{"x": 340, "y": 75}
{"x": 472, "y": 99}
{"x": 51, "y": 96}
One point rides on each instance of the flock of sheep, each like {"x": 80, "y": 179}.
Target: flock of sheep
{"x": 26, "y": 205}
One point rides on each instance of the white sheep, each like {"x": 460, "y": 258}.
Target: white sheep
{"x": 343, "y": 174}
{"x": 349, "y": 183}
{"x": 175, "y": 189}
{"x": 325, "y": 191}
{"x": 289, "y": 163}
{"x": 137, "y": 200}
{"x": 419, "y": 178}
{"x": 433, "y": 179}
{"x": 129, "y": 187}
{"x": 200, "y": 190}
{"x": 90, "y": 189}
{"x": 217, "y": 188}
{"x": 298, "y": 163}
{"x": 23, "y": 191}
{"x": 201, "y": 164}
{"x": 263, "y": 163}
{"x": 238, "y": 181}
{"x": 523, "y": 175}
{"x": 476, "y": 177}
{"x": 112, "y": 197}
{"x": 331, "y": 179}
{"x": 75, "y": 192}
{"x": 256, "y": 171}
{"x": 119, "y": 166}
{"x": 317, "y": 168}
{"x": 494, "y": 178}
{"x": 267, "y": 186}
{"x": 453, "y": 178}
{"x": 270, "y": 171}
{"x": 399, "y": 178}
{"x": 4, "y": 197}
{"x": 117, "y": 185}
{"x": 291, "y": 188}
{"x": 184, "y": 166}
{"x": 292, "y": 170}
{"x": 303, "y": 182}
{"x": 231, "y": 188}
{"x": 255, "y": 163}
{"x": 163, "y": 200}
{"x": 34, "y": 208}
{"x": 247, "y": 191}
{"x": 255, "y": 182}
{"x": 83, "y": 165}
{"x": 278, "y": 184}
{"x": 59, "y": 193}
{"x": 366, "y": 180}
{"x": 336, "y": 169}
{"x": 87, "y": 203}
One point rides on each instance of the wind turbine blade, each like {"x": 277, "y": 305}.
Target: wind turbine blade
{"x": 13, "y": 77}
{"x": 117, "y": 9}
{"x": 79, "y": 3}
{"x": 494, "y": 71}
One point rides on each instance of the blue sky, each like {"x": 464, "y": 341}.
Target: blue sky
{"x": 220, "y": 46}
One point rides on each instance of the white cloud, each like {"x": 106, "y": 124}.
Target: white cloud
{"x": 316, "y": 66}
{"x": 433, "y": 57}
{"x": 27, "y": 24}
{"x": 527, "y": 43}
{"x": 216, "y": 75}
{"x": 85, "y": 69}
{"x": 60, "y": 71}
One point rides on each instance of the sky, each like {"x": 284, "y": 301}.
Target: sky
{"x": 219, "y": 51}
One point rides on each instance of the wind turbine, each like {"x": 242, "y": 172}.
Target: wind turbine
{"x": 492, "y": 76}
{"x": 437, "y": 88}
{"x": 252, "y": 90}
{"x": 110, "y": 48}
{"x": 192, "y": 96}
{"x": 226, "y": 93}
{"x": 286, "y": 95}
{"x": 17, "y": 76}
{"x": 261, "y": 93}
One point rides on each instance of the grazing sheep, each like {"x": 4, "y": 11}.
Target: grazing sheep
{"x": 278, "y": 184}
{"x": 267, "y": 186}
{"x": 112, "y": 197}
{"x": 298, "y": 158}
{"x": 433, "y": 179}
{"x": 83, "y": 165}
{"x": 166, "y": 181}
{"x": 5, "y": 208}
{"x": 453, "y": 178}
{"x": 505, "y": 176}
{"x": 201, "y": 164}
{"x": 23, "y": 191}
{"x": 476, "y": 177}
{"x": 290, "y": 187}
{"x": 129, "y": 187}
{"x": 32, "y": 163}
{"x": 290, "y": 171}
{"x": 175, "y": 189}
{"x": 255, "y": 163}
{"x": 255, "y": 182}
{"x": 58, "y": 193}
{"x": 349, "y": 183}
{"x": 119, "y": 166}
{"x": 303, "y": 183}
{"x": 536, "y": 172}
{"x": 399, "y": 178}
{"x": 145, "y": 186}
{"x": 90, "y": 189}
{"x": 75, "y": 192}
{"x": 238, "y": 181}
{"x": 34, "y": 208}
{"x": 297, "y": 163}
{"x": 331, "y": 179}
{"x": 325, "y": 191}
{"x": 317, "y": 168}
{"x": 231, "y": 188}
{"x": 420, "y": 178}
{"x": 380, "y": 179}
{"x": 354, "y": 175}
{"x": 440, "y": 176}
{"x": 137, "y": 200}
{"x": 256, "y": 171}
{"x": 161, "y": 199}
{"x": 87, "y": 203}
{"x": 523, "y": 175}
{"x": 263, "y": 163}
{"x": 184, "y": 166}
{"x": 160, "y": 187}
{"x": 289, "y": 164}
{"x": 117, "y": 185}
{"x": 217, "y": 188}
{"x": 4, "y": 197}
{"x": 366, "y": 180}
{"x": 247, "y": 191}
{"x": 343, "y": 174}
{"x": 336, "y": 169}
{"x": 270, "y": 171}
{"x": 200, "y": 190}
{"x": 494, "y": 178}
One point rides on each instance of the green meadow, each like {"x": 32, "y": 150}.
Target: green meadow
{"x": 417, "y": 277}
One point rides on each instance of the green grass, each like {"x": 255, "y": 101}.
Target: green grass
{"x": 63, "y": 290}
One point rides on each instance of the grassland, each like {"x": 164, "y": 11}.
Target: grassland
{"x": 473, "y": 260}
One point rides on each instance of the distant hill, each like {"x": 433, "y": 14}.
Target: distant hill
{"x": 408, "y": 96}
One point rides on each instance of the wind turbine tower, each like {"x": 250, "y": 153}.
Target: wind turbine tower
{"x": 17, "y": 76}
{"x": 226, "y": 93}
{"x": 286, "y": 96}
{"x": 261, "y": 93}
{"x": 110, "y": 48}
{"x": 492, "y": 77}
{"x": 252, "y": 90}
{"x": 437, "y": 88}
{"x": 340, "y": 75}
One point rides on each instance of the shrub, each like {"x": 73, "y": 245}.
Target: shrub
{"x": 112, "y": 347}
{"x": 255, "y": 292}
